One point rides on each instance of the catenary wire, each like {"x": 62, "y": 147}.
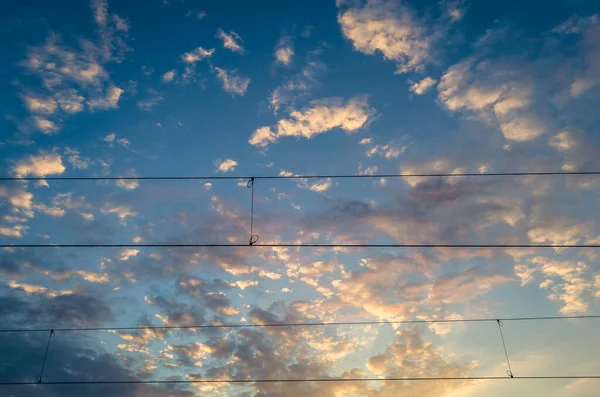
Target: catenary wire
{"x": 333, "y": 176}
{"x": 312, "y": 324}
{"x": 322, "y": 380}
{"x": 291, "y": 245}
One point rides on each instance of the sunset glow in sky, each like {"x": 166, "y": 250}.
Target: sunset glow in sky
{"x": 113, "y": 88}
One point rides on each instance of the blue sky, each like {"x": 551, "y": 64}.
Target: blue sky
{"x": 181, "y": 88}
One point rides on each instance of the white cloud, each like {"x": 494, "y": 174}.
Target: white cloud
{"x": 284, "y": 55}
{"x": 423, "y": 86}
{"x": 485, "y": 89}
{"x": 110, "y": 137}
{"x": 231, "y": 41}
{"x": 321, "y": 186}
{"x": 323, "y": 116}
{"x": 40, "y": 165}
{"x": 40, "y": 104}
{"x": 52, "y": 211}
{"x": 122, "y": 211}
{"x": 243, "y": 284}
{"x": 100, "y": 8}
{"x": 522, "y": 128}
{"x": 148, "y": 104}
{"x": 226, "y": 165}
{"x": 388, "y": 28}
{"x": 70, "y": 101}
{"x": 127, "y": 253}
{"x": 196, "y": 55}
{"x": 231, "y": 82}
{"x": 169, "y": 76}
{"x": 297, "y": 86}
{"x": 109, "y": 101}
{"x": 563, "y": 141}
{"x": 284, "y": 51}
{"x": 71, "y": 76}
{"x": 46, "y": 126}
{"x": 76, "y": 160}
{"x": 128, "y": 184}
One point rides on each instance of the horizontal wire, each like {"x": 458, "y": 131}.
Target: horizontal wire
{"x": 454, "y": 320}
{"x": 232, "y": 381}
{"x": 346, "y": 176}
{"x": 301, "y": 245}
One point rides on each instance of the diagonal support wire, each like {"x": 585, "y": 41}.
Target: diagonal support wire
{"x": 253, "y": 237}
{"x": 509, "y": 371}
{"x": 38, "y": 378}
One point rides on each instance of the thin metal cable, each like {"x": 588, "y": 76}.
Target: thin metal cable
{"x": 339, "y": 176}
{"x": 253, "y": 237}
{"x": 245, "y": 381}
{"x": 309, "y": 245}
{"x": 315, "y": 324}
{"x": 38, "y": 378}
{"x": 500, "y": 325}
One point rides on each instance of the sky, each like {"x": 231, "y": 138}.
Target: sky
{"x": 264, "y": 88}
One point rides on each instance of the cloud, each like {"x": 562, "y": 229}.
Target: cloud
{"x": 299, "y": 85}
{"x": 75, "y": 159}
{"x": 122, "y": 211}
{"x": 232, "y": 41}
{"x": 109, "y": 101}
{"x": 40, "y": 165}
{"x": 46, "y": 126}
{"x": 232, "y": 83}
{"x": 169, "y": 76}
{"x": 563, "y": 141}
{"x": 128, "y": 184}
{"x": 243, "y": 284}
{"x": 321, "y": 186}
{"x": 284, "y": 51}
{"x": 39, "y": 104}
{"x": 196, "y": 55}
{"x": 71, "y": 77}
{"x": 284, "y": 55}
{"x": 148, "y": 104}
{"x": 226, "y": 165}
{"x": 321, "y": 117}
{"x": 423, "y": 86}
{"x": 386, "y": 27}
{"x": 127, "y": 253}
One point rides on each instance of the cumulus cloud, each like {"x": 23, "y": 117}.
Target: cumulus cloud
{"x": 563, "y": 141}
{"x": 71, "y": 77}
{"x": 231, "y": 82}
{"x": 169, "y": 76}
{"x": 197, "y": 54}
{"x": 388, "y": 28}
{"x": 226, "y": 165}
{"x": 127, "y": 253}
{"x": 40, "y": 165}
{"x": 232, "y": 41}
{"x": 122, "y": 211}
{"x": 284, "y": 51}
{"x": 423, "y": 86}
{"x": 321, "y": 117}
{"x": 109, "y": 101}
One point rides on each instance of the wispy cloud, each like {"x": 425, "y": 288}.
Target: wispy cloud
{"x": 231, "y": 82}
{"x": 232, "y": 41}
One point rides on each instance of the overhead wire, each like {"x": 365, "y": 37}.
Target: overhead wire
{"x": 332, "y": 176}
{"x": 301, "y": 245}
{"x": 319, "y": 380}
{"x": 311, "y": 324}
